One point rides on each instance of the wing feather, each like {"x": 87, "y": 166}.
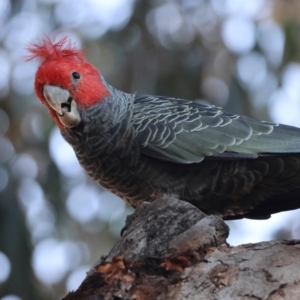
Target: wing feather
{"x": 186, "y": 132}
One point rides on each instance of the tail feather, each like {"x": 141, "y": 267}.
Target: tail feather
{"x": 278, "y": 203}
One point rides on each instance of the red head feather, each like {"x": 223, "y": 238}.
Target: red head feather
{"x": 64, "y": 48}
{"x": 59, "y": 61}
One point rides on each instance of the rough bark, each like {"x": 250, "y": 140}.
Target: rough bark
{"x": 171, "y": 250}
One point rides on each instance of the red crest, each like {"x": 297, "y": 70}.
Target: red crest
{"x": 49, "y": 50}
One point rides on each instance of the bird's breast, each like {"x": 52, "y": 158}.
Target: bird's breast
{"x": 114, "y": 160}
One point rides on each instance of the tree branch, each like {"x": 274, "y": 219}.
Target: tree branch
{"x": 171, "y": 250}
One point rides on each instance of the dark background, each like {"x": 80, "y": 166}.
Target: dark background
{"x": 54, "y": 221}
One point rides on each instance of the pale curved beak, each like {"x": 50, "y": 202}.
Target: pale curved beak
{"x": 62, "y": 102}
{"x": 56, "y": 96}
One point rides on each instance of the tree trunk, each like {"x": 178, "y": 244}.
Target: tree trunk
{"x": 171, "y": 250}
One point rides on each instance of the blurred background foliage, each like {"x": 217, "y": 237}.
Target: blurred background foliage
{"x": 54, "y": 221}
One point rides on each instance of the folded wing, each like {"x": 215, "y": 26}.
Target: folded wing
{"x": 186, "y": 132}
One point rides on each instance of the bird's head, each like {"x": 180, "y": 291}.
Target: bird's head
{"x": 65, "y": 82}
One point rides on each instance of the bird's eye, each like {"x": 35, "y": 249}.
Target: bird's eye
{"x": 75, "y": 75}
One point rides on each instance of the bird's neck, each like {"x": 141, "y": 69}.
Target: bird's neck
{"x": 105, "y": 120}
{"x": 108, "y": 112}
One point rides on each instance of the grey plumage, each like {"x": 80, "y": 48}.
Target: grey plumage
{"x": 186, "y": 132}
{"x": 144, "y": 147}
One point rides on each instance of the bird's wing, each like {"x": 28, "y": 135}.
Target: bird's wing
{"x": 183, "y": 131}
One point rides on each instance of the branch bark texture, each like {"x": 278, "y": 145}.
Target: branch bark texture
{"x": 171, "y": 250}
